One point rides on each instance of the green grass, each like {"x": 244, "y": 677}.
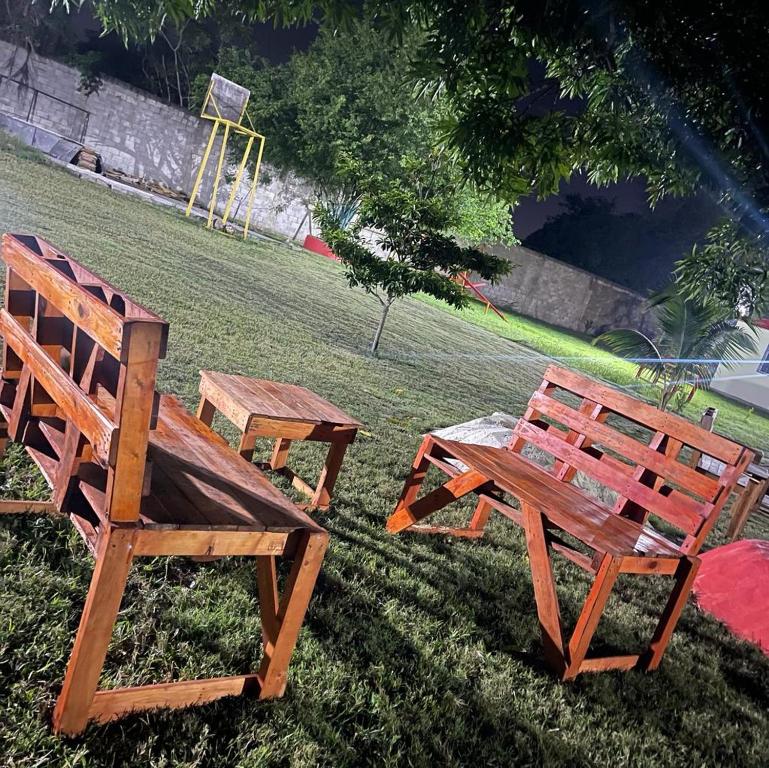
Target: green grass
{"x": 416, "y": 650}
{"x": 735, "y": 420}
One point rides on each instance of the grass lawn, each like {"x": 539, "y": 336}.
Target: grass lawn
{"x": 416, "y": 650}
{"x": 735, "y": 420}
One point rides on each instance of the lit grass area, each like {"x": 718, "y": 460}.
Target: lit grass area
{"x": 416, "y": 651}
{"x": 572, "y": 350}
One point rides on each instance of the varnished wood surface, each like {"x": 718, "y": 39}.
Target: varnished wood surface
{"x": 564, "y": 504}
{"x": 240, "y": 398}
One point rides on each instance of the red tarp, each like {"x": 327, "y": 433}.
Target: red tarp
{"x": 733, "y": 585}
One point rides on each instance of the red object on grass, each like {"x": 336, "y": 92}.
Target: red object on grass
{"x": 733, "y": 585}
{"x": 316, "y": 245}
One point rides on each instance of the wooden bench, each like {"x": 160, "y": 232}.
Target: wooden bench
{"x": 136, "y": 473}
{"x": 629, "y": 447}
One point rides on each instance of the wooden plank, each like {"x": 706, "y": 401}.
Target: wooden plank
{"x": 645, "y": 414}
{"x": 153, "y": 543}
{"x": 461, "y": 533}
{"x": 591, "y": 613}
{"x": 273, "y": 671}
{"x": 544, "y": 588}
{"x": 605, "y": 663}
{"x": 134, "y": 403}
{"x": 24, "y": 507}
{"x": 101, "y": 607}
{"x": 111, "y": 704}
{"x": 73, "y": 402}
{"x": 627, "y": 446}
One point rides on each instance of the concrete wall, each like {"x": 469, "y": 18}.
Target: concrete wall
{"x": 136, "y": 133}
{"x": 743, "y": 381}
{"x": 557, "y": 293}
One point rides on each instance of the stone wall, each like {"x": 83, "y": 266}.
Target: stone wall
{"x": 566, "y": 296}
{"x": 136, "y": 133}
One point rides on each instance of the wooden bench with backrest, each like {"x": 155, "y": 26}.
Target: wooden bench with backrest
{"x": 580, "y": 428}
{"x": 136, "y": 473}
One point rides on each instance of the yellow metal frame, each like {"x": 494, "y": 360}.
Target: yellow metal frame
{"x": 236, "y": 128}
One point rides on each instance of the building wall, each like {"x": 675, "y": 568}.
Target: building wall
{"x": 743, "y": 381}
{"x": 558, "y": 293}
{"x": 138, "y": 134}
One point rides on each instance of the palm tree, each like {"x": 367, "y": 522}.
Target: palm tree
{"x": 694, "y": 338}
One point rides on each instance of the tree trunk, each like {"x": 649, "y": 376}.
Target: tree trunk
{"x": 378, "y": 335}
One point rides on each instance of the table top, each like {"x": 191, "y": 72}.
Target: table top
{"x": 241, "y": 398}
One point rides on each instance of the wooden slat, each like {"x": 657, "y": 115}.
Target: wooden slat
{"x": 684, "y": 512}
{"x": 111, "y": 704}
{"x": 647, "y": 415}
{"x": 627, "y": 446}
{"x": 212, "y": 543}
{"x": 77, "y": 406}
{"x": 81, "y": 307}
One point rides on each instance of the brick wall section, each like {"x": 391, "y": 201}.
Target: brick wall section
{"x": 566, "y": 296}
{"x": 139, "y": 134}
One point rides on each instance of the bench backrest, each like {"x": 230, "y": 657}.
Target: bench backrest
{"x": 79, "y": 366}
{"x": 632, "y": 448}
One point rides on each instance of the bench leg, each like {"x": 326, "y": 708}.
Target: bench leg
{"x": 744, "y": 506}
{"x": 545, "y": 594}
{"x": 101, "y": 608}
{"x": 452, "y": 490}
{"x": 3, "y": 436}
{"x": 246, "y": 446}
{"x": 280, "y": 453}
{"x": 206, "y": 411}
{"x": 267, "y": 582}
{"x": 592, "y": 610}
{"x": 685, "y": 573}
{"x": 480, "y": 516}
{"x": 291, "y": 610}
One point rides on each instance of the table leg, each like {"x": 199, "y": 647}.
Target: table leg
{"x": 206, "y": 411}
{"x": 322, "y": 496}
{"x": 246, "y": 446}
{"x": 280, "y": 453}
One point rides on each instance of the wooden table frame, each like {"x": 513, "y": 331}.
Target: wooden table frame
{"x": 617, "y": 539}
{"x": 284, "y": 431}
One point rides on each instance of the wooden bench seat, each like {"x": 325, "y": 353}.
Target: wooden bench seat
{"x": 136, "y": 473}
{"x": 570, "y": 509}
{"x": 571, "y": 423}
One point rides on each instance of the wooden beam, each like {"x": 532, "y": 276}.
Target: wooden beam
{"x": 112, "y": 704}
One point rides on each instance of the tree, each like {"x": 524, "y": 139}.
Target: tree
{"x": 414, "y": 212}
{"x": 675, "y": 92}
{"x": 344, "y": 99}
{"x": 637, "y": 250}
{"x": 694, "y": 338}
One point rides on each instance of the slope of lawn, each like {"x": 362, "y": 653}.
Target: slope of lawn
{"x": 416, "y": 650}
{"x": 735, "y": 420}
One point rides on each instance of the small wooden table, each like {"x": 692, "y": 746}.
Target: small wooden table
{"x": 285, "y": 412}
